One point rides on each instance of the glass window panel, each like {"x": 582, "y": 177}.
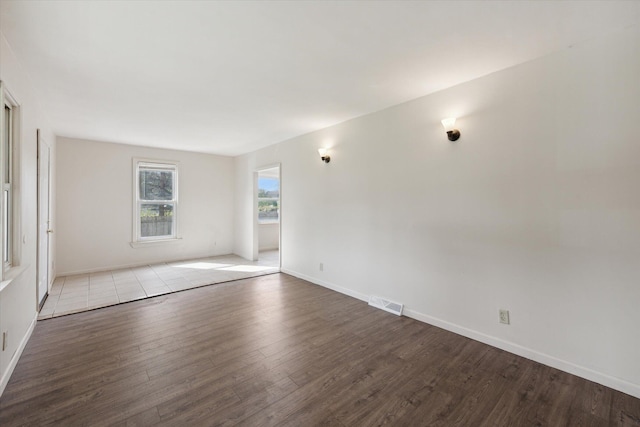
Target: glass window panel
{"x": 268, "y": 210}
{"x": 5, "y": 226}
{"x": 268, "y": 198}
{"x": 268, "y": 187}
{"x": 156, "y": 219}
{"x": 156, "y": 184}
{"x": 6, "y": 148}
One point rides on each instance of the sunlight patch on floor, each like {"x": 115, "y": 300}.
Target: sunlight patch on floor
{"x": 247, "y": 268}
{"x": 201, "y": 265}
{"x": 82, "y": 292}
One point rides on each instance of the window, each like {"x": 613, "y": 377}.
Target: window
{"x": 268, "y": 196}
{"x": 156, "y": 190}
{"x": 8, "y": 127}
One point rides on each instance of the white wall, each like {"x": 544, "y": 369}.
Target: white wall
{"x": 94, "y": 236}
{"x": 268, "y": 236}
{"x": 535, "y": 209}
{"x": 18, "y": 298}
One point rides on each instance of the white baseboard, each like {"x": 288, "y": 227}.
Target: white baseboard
{"x": 16, "y": 356}
{"x": 545, "y": 359}
{"x": 536, "y": 356}
{"x": 322, "y": 283}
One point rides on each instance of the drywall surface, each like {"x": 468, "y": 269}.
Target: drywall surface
{"x": 535, "y": 209}
{"x": 95, "y": 206}
{"x": 18, "y": 297}
{"x": 245, "y": 209}
{"x": 268, "y": 236}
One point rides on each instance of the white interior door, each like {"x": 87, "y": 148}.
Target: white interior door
{"x": 44, "y": 218}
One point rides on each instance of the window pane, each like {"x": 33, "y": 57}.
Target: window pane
{"x": 6, "y": 149}
{"x": 156, "y": 184}
{"x": 5, "y": 225}
{"x": 268, "y": 187}
{"x": 268, "y": 199}
{"x": 156, "y": 220}
{"x": 268, "y": 210}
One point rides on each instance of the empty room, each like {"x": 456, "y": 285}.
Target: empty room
{"x": 349, "y": 213}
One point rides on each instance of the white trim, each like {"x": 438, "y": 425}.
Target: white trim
{"x": 12, "y": 274}
{"x": 328, "y": 285}
{"x": 154, "y": 242}
{"x": 16, "y": 356}
{"x": 136, "y": 240}
{"x": 545, "y": 359}
{"x": 269, "y": 166}
{"x": 13, "y": 186}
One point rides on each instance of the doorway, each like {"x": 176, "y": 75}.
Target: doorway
{"x": 267, "y": 236}
{"x": 44, "y": 220}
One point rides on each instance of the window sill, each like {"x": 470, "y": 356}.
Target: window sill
{"x": 150, "y": 243}
{"x": 12, "y": 274}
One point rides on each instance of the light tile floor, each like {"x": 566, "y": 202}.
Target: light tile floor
{"x": 73, "y": 294}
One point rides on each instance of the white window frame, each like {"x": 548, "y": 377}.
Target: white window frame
{"x": 10, "y": 205}
{"x": 137, "y": 239}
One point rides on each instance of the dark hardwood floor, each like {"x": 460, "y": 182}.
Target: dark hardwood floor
{"x": 276, "y": 350}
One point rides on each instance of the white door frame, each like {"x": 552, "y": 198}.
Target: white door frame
{"x": 44, "y": 230}
{"x": 256, "y": 225}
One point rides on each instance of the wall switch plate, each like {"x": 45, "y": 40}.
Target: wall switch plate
{"x": 504, "y": 316}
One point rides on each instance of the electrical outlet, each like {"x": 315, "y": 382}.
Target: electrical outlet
{"x": 504, "y": 316}
{"x": 321, "y": 267}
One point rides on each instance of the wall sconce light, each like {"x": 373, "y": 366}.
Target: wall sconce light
{"x": 324, "y": 155}
{"x": 449, "y": 124}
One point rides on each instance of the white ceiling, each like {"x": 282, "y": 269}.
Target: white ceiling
{"x": 231, "y": 77}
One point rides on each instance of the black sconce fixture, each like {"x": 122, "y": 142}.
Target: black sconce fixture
{"x": 449, "y": 124}
{"x": 324, "y": 155}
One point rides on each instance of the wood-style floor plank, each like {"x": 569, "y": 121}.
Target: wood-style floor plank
{"x": 276, "y": 350}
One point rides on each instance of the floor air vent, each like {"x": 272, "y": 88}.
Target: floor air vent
{"x": 386, "y": 305}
